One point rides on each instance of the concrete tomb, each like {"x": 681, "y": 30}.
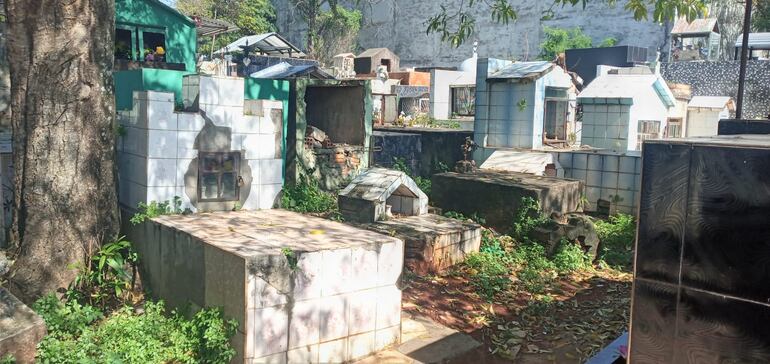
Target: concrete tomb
{"x": 378, "y": 192}
{"x": 496, "y": 196}
{"x": 303, "y": 289}
{"x": 389, "y": 202}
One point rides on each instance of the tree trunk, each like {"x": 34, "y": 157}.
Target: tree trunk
{"x": 62, "y": 105}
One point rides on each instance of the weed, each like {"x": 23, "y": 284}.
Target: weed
{"x": 291, "y": 257}
{"x": 459, "y": 216}
{"x": 617, "y": 240}
{"x": 489, "y": 272}
{"x": 79, "y": 334}
{"x": 104, "y": 278}
{"x": 528, "y": 217}
{"x": 306, "y": 196}
{"x": 8, "y": 359}
{"x": 155, "y": 209}
{"x": 570, "y": 257}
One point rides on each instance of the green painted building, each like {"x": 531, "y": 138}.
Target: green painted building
{"x": 143, "y": 26}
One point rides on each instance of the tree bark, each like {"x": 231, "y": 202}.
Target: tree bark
{"x": 62, "y": 114}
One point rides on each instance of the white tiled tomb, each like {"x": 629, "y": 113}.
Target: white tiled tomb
{"x": 337, "y": 302}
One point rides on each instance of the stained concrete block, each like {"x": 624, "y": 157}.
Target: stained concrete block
{"x": 432, "y": 243}
{"x": 21, "y": 329}
{"x": 496, "y": 196}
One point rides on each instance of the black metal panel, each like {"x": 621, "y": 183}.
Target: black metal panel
{"x": 735, "y": 127}
{"x": 702, "y": 291}
{"x": 727, "y": 241}
{"x": 662, "y": 211}
{"x": 653, "y": 311}
{"x": 584, "y": 61}
{"x": 717, "y": 329}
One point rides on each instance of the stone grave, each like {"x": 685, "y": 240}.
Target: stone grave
{"x": 20, "y": 329}
{"x": 391, "y": 203}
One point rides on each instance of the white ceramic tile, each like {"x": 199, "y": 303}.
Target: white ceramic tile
{"x": 247, "y": 124}
{"x": 185, "y": 145}
{"x": 390, "y": 263}
{"x": 270, "y": 171}
{"x": 308, "y": 279}
{"x": 132, "y": 168}
{"x": 336, "y": 271}
{"x": 190, "y": 121}
{"x": 181, "y": 168}
{"x": 160, "y": 194}
{"x": 334, "y": 316}
{"x": 279, "y": 358}
{"x": 388, "y": 307}
{"x": 269, "y": 126}
{"x": 387, "y": 337}
{"x": 304, "y": 327}
{"x": 363, "y": 308}
{"x": 333, "y": 351}
{"x": 160, "y": 96}
{"x": 161, "y": 116}
{"x": 262, "y": 294}
{"x": 231, "y": 91}
{"x": 161, "y": 143}
{"x": 360, "y": 345}
{"x": 161, "y": 172}
{"x": 303, "y": 355}
{"x": 259, "y": 146}
{"x": 271, "y": 328}
{"x": 268, "y": 195}
{"x": 135, "y": 141}
{"x": 208, "y": 92}
{"x": 252, "y": 200}
{"x": 364, "y": 268}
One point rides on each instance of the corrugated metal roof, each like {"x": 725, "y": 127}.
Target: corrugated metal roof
{"x": 710, "y": 102}
{"x": 697, "y": 26}
{"x": 756, "y": 40}
{"x": 285, "y": 70}
{"x": 371, "y": 52}
{"x": 519, "y": 70}
{"x": 272, "y": 44}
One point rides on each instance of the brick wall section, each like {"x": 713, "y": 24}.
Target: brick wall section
{"x": 721, "y": 79}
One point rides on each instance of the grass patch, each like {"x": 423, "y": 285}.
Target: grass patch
{"x": 617, "y": 236}
{"x": 82, "y": 334}
{"x": 306, "y": 196}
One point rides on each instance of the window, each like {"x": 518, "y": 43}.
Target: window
{"x": 218, "y": 178}
{"x": 124, "y": 44}
{"x": 154, "y": 44}
{"x": 555, "y": 120}
{"x": 674, "y": 128}
{"x": 463, "y": 100}
{"x": 647, "y": 129}
{"x": 134, "y": 43}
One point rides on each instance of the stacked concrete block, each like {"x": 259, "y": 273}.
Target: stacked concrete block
{"x": 432, "y": 243}
{"x": 159, "y": 147}
{"x": 303, "y": 289}
{"x": 607, "y": 176}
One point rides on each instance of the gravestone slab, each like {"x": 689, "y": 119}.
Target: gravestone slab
{"x": 21, "y": 329}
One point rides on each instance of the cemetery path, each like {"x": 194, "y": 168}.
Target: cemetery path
{"x": 585, "y": 312}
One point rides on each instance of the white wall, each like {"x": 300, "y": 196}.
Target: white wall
{"x": 647, "y": 106}
{"x": 704, "y": 121}
{"x": 440, "y": 92}
{"x": 158, "y": 145}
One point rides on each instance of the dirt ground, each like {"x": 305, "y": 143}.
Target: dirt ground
{"x": 576, "y": 317}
